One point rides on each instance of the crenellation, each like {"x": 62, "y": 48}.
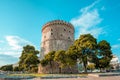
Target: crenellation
{"x": 57, "y": 22}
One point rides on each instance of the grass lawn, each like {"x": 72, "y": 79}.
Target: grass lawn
{"x": 43, "y": 75}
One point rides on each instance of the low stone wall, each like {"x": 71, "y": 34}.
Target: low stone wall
{"x": 56, "y": 70}
{"x": 104, "y": 74}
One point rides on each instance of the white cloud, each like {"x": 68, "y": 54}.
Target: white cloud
{"x": 11, "y": 48}
{"x": 116, "y": 46}
{"x": 16, "y": 42}
{"x": 88, "y": 8}
{"x": 88, "y": 21}
{"x": 13, "y": 45}
{"x": 6, "y": 59}
{"x": 12, "y": 41}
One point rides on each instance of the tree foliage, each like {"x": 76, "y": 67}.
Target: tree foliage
{"x": 91, "y": 66}
{"x": 85, "y": 45}
{"x": 85, "y": 49}
{"x": 7, "y": 68}
{"x": 44, "y": 62}
{"x": 60, "y": 58}
{"x": 50, "y": 58}
{"x": 71, "y": 59}
{"x": 28, "y": 59}
{"x": 104, "y": 54}
{"x": 16, "y": 68}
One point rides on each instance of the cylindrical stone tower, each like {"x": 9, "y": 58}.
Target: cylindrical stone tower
{"x": 56, "y": 35}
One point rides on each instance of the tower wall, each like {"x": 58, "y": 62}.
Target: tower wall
{"x": 56, "y": 35}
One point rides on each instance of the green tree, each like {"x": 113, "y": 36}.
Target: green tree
{"x": 60, "y": 58}
{"x": 28, "y": 58}
{"x": 85, "y": 45}
{"x": 104, "y": 54}
{"x": 44, "y": 62}
{"x": 21, "y": 62}
{"x": 72, "y": 53}
{"x": 72, "y": 56}
{"x": 84, "y": 49}
{"x": 50, "y": 58}
{"x": 31, "y": 61}
{"x": 16, "y": 68}
{"x": 7, "y": 68}
{"x": 30, "y": 49}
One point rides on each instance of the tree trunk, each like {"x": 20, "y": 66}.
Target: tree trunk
{"x": 51, "y": 67}
{"x": 60, "y": 70}
{"x": 70, "y": 69}
{"x": 85, "y": 64}
{"x": 100, "y": 69}
{"x": 85, "y": 68}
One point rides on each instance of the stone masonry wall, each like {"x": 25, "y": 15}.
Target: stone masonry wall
{"x": 56, "y": 35}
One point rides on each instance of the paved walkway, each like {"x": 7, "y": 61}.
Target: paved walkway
{"x": 88, "y": 78}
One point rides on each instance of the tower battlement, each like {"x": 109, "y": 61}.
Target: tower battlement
{"x": 55, "y": 22}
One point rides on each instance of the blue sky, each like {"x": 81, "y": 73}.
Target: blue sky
{"x": 21, "y": 22}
